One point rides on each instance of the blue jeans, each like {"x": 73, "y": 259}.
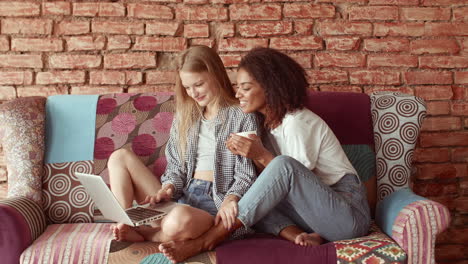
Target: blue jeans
{"x": 287, "y": 193}
{"x": 198, "y": 194}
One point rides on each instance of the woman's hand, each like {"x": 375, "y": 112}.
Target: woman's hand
{"x": 251, "y": 147}
{"x": 164, "y": 194}
{"x": 227, "y": 212}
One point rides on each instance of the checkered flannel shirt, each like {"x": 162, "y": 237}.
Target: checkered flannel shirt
{"x": 233, "y": 174}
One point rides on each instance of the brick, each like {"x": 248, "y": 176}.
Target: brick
{"x": 374, "y": 77}
{"x": 130, "y": 60}
{"x": 26, "y": 26}
{"x": 20, "y": 61}
{"x": 86, "y": 43}
{"x": 441, "y": 123}
{"x": 161, "y": 77}
{"x": 4, "y": 43}
{"x": 443, "y": 62}
{"x": 434, "y": 46}
{"x": 225, "y": 30}
{"x": 230, "y": 60}
{"x": 438, "y": 171}
{"x": 304, "y": 59}
{"x": 413, "y": 29}
{"x": 115, "y": 77}
{"x": 111, "y": 9}
{"x": 96, "y": 89}
{"x": 150, "y": 11}
{"x": 434, "y": 92}
{"x": 428, "y": 77}
{"x": 41, "y": 90}
{"x": 460, "y": 155}
{"x": 400, "y": 89}
{"x": 434, "y": 189}
{"x": 326, "y": 76}
{"x": 431, "y": 155}
{"x": 392, "y": 61}
{"x": 7, "y": 93}
{"x": 56, "y": 8}
{"x": 424, "y": 13}
{"x": 36, "y": 44}
{"x": 446, "y": 29}
{"x": 118, "y": 42}
{"x": 241, "y": 44}
{"x": 394, "y": 2}
{"x": 255, "y": 12}
{"x": 339, "y": 59}
{"x": 202, "y": 41}
{"x": 435, "y": 108}
{"x": 16, "y": 78}
{"x": 168, "y": 44}
{"x": 86, "y": 9}
{"x": 305, "y": 11}
{"x": 442, "y": 2}
{"x": 16, "y": 9}
{"x": 386, "y": 45}
{"x": 344, "y": 28}
{"x": 459, "y": 109}
{"x": 60, "y": 77}
{"x": 162, "y": 28}
{"x": 115, "y": 27}
{"x": 444, "y": 139}
{"x": 343, "y": 1}
{"x": 459, "y": 13}
{"x": 196, "y": 31}
{"x": 195, "y": 2}
{"x": 459, "y": 92}
{"x": 297, "y": 43}
{"x": 461, "y": 205}
{"x": 342, "y": 43}
{"x": 265, "y": 29}
{"x": 72, "y": 28}
{"x": 205, "y": 13}
{"x": 303, "y": 27}
{"x": 461, "y": 77}
{"x": 373, "y": 13}
{"x": 99, "y": 9}
{"x": 67, "y": 61}
{"x": 341, "y": 88}
{"x": 453, "y": 235}
{"x": 151, "y": 89}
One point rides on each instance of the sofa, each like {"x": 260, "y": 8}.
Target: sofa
{"x": 49, "y": 218}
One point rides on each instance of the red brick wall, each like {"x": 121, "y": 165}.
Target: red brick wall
{"x": 413, "y": 46}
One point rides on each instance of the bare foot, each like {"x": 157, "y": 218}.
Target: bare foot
{"x": 123, "y": 232}
{"x": 305, "y": 239}
{"x": 177, "y": 251}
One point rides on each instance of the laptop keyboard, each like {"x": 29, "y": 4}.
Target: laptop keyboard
{"x": 137, "y": 214}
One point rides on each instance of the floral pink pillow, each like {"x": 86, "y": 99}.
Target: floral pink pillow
{"x": 22, "y": 132}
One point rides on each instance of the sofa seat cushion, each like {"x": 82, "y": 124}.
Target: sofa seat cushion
{"x": 72, "y": 243}
{"x": 373, "y": 248}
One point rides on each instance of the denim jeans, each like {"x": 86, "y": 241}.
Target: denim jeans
{"x": 198, "y": 194}
{"x": 287, "y": 193}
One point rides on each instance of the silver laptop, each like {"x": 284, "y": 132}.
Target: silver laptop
{"x": 111, "y": 209}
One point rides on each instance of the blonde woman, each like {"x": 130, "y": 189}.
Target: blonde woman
{"x": 201, "y": 172}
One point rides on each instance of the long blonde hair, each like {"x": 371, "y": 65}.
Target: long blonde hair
{"x": 199, "y": 59}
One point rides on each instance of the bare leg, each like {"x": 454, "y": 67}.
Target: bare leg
{"x": 130, "y": 179}
{"x": 182, "y": 250}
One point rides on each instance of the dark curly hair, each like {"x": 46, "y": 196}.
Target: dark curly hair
{"x": 282, "y": 78}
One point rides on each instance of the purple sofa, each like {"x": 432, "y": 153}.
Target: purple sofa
{"x": 49, "y": 218}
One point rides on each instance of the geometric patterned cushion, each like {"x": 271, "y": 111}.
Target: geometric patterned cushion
{"x": 373, "y": 248}
{"x": 70, "y": 243}
{"x": 64, "y": 198}
{"x": 139, "y": 122}
{"x": 22, "y": 131}
{"x": 397, "y": 120}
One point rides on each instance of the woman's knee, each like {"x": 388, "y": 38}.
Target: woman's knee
{"x": 283, "y": 162}
{"x": 178, "y": 224}
{"x": 118, "y": 157}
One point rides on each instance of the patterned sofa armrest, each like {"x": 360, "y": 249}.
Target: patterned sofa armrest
{"x": 413, "y": 222}
{"x": 22, "y": 222}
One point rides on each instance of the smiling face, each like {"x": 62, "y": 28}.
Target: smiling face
{"x": 198, "y": 86}
{"x": 250, "y": 94}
